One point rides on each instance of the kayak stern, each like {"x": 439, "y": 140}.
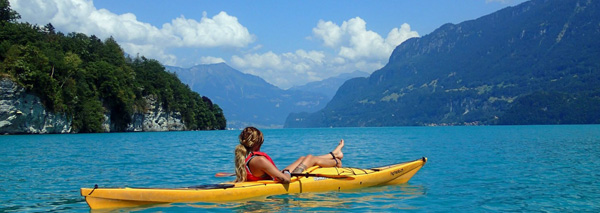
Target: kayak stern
{"x": 108, "y": 203}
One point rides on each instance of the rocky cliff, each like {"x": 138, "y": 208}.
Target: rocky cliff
{"x": 23, "y": 113}
{"x": 155, "y": 118}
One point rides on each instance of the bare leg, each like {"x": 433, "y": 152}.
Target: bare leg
{"x": 337, "y": 152}
{"x": 311, "y": 160}
{"x": 326, "y": 160}
{"x": 295, "y": 164}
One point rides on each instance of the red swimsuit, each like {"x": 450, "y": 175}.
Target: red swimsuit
{"x": 249, "y": 175}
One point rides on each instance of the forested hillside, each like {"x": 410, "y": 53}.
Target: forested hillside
{"x": 87, "y": 78}
{"x": 535, "y": 63}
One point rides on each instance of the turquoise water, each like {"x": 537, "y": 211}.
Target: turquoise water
{"x": 481, "y": 169}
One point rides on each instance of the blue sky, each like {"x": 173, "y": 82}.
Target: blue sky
{"x": 285, "y": 42}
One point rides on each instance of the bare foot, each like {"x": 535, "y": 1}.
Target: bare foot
{"x": 338, "y": 150}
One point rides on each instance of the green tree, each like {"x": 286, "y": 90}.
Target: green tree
{"x": 89, "y": 79}
{"x": 6, "y": 13}
{"x": 114, "y": 87}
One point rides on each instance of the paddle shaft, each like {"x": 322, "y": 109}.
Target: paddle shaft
{"x": 227, "y": 174}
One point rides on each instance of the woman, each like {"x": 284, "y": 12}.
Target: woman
{"x": 251, "y": 164}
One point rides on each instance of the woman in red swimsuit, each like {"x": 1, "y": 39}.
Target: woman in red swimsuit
{"x": 251, "y": 164}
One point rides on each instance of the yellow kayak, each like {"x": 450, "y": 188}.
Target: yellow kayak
{"x": 316, "y": 179}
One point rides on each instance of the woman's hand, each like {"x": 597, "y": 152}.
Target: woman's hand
{"x": 283, "y": 177}
{"x": 287, "y": 174}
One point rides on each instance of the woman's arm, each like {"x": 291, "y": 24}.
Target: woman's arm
{"x": 261, "y": 163}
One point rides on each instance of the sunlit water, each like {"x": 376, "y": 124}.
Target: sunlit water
{"x": 470, "y": 169}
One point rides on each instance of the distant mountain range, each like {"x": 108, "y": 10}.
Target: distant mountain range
{"x": 329, "y": 86}
{"x": 249, "y": 100}
{"x": 535, "y": 63}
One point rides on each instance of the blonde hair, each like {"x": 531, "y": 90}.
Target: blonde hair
{"x": 249, "y": 138}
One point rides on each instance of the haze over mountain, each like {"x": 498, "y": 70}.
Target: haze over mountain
{"x": 247, "y": 99}
{"x": 535, "y": 63}
{"x": 329, "y": 86}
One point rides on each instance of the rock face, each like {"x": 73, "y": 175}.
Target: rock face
{"x": 24, "y": 113}
{"x": 155, "y": 119}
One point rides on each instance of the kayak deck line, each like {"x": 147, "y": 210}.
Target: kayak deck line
{"x": 102, "y": 198}
{"x": 424, "y": 159}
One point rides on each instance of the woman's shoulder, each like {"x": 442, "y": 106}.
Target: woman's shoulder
{"x": 256, "y": 153}
{"x": 259, "y": 158}
{"x": 260, "y": 161}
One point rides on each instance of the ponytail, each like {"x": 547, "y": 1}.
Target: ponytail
{"x": 240, "y": 160}
{"x": 249, "y": 138}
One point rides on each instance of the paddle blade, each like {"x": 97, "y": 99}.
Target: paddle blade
{"x": 224, "y": 174}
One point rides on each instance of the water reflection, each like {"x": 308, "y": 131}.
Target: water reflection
{"x": 373, "y": 198}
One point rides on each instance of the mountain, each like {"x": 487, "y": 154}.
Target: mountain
{"x": 535, "y": 63}
{"x": 329, "y": 86}
{"x": 247, "y": 99}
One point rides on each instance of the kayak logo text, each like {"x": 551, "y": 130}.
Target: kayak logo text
{"x": 397, "y": 172}
{"x": 319, "y": 178}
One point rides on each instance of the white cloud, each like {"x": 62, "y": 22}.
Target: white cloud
{"x": 294, "y": 68}
{"x": 211, "y": 60}
{"x": 353, "y": 48}
{"x": 397, "y": 36}
{"x": 349, "y": 46}
{"x": 283, "y": 70}
{"x": 266, "y": 60}
{"x": 151, "y": 51}
{"x": 353, "y": 41}
{"x": 222, "y": 30}
{"x": 329, "y": 32}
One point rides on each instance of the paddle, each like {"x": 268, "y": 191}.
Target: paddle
{"x": 227, "y": 174}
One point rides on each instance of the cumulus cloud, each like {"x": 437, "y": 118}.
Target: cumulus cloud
{"x": 353, "y": 46}
{"x": 353, "y": 41}
{"x": 211, "y": 60}
{"x": 255, "y": 60}
{"x": 348, "y": 46}
{"x": 294, "y": 68}
{"x": 222, "y": 30}
{"x": 329, "y": 32}
{"x": 284, "y": 70}
{"x": 150, "y": 51}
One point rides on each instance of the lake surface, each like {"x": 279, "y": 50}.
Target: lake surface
{"x": 470, "y": 169}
